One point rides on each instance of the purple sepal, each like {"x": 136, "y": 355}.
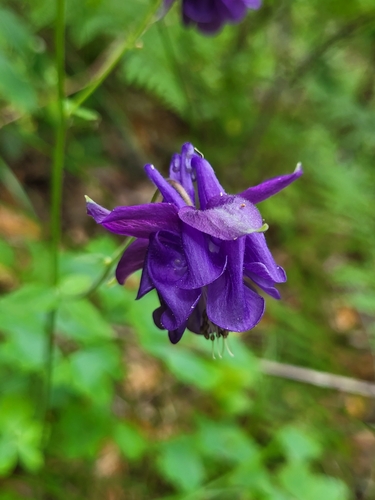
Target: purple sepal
{"x": 97, "y": 212}
{"x": 142, "y": 220}
{"x": 268, "y": 188}
{"x": 230, "y": 304}
{"x": 132, "y": 259}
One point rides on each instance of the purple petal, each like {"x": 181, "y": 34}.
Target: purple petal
{"x": 268, "y": 188}
{"x": 132, "y": 259}
{"x": 180, "y": 305}
{"x": 166, "y": 265}
{"x": 204, "y": 260}
{"x": 181, "y": 170}
{"x": 267, "y": 286}
{"x": 169, "y": 194}
{"x": 230, "y": 218}
{"x": 142, "y": 220}
{"x": 97, "y": 212}
{"x": 230, "y": 304}
{"x": 199, "y": 11}
{"x": 185, "y": 263}
{"x": 156, "y": 316}
{"x": 208, "y": 185}
{"x": 195, "y": 320}
{"x": 146, "y": 284}
{"x": 252, "y": 4}
{"x": 258, "y": 259}
{"x": 175, "y": 335}
{"x": 233, "y": 10}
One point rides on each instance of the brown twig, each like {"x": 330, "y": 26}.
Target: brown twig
{"x": 317, "y": 378}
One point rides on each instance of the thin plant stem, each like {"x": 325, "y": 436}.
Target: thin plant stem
{"x": 108, "y": 263}
{"x": 56, "y": 192}
{"x": 120, "y": 47}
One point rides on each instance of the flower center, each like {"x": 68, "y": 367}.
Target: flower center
{"x": 210, "y": 330}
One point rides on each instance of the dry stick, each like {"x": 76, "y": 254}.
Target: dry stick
{"x": 317, "y": 378}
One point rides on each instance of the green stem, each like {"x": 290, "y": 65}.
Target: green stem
{"x": 56, "y": 189}
{"x": 119, "y": 49}
{"x": 107, "y": 269}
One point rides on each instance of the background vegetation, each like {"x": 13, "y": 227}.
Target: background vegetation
{"x": 129, "y": 415}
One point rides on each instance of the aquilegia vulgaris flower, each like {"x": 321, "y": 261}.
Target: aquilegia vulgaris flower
{"x": 200, "y": 248}
{"x": 210, "y": 15}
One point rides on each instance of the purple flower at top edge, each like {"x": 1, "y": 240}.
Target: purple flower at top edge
{"x": 203, "y": 250}
{"x": 210, "y": 15}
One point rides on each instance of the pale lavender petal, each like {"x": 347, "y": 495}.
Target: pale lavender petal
{"x": 132, "y": 259}
{"x": 142, "y": 220}
{"x": 230, "y": 218}
{"x": 257, "y": 251}
{"x": 268, "y": 188}
{"x": 230, "y": 304}
{"x": 208, "y": 185}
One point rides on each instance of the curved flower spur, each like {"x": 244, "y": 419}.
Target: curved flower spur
{"x": 200, "y": 248}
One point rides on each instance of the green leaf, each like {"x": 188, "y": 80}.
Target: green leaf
{"x": 75, "y": 284}
{"x": 81, "y": 430}
{"x": 80, "y": 320}
{"x": 180, "y": 464}
{"x": 189, "y": 368}
{"x": 84, "y": 113}
{"x": 14, "y": 86}
{"x": 6, "y": 254}
{"x": 20, "y": 434}
{"x": 14, "y": 186}
{"x": 301, "y": 483}
{"x": 130, "y": 440}
{"x": 8, "y": 454}
{"x": 223, "y": 441}
{"x": 23, "y": 316}
{"x": 298, "y": 444}
{"x": 94, "y": 370}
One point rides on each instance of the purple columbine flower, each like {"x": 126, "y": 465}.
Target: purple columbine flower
{"x": 200, "y": 248}
{"x": 210, "y": 15}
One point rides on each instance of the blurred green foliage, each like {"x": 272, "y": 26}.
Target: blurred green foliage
{"x": 132, "y": 416}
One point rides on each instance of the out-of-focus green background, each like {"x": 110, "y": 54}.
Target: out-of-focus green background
{"x": 133, "y": 417}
